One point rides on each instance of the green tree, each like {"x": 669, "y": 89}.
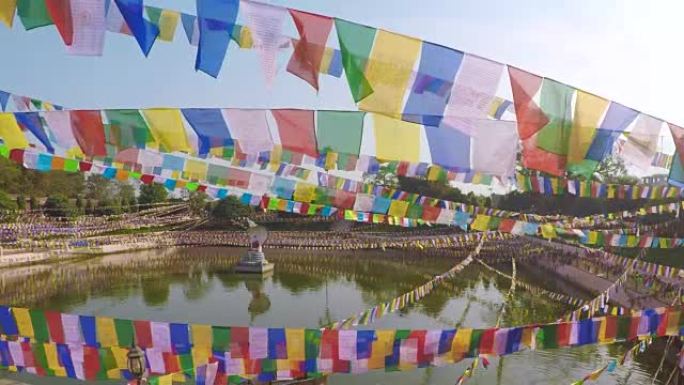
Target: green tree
{"x": 6, "y": 202}
{"x": 152, "y": 193}
{"x": 59, "y": 206}
{"x": 385, "y": 176}
{"x": 98, "y": 187}
{"x": 230, "y": 208}
{"x": 126, "y": 195}
{"x": 197, "y": 202}
{"x": 21, "y": 202}
{"x": 613, "y": 170}
{"x": 108, "y": 207}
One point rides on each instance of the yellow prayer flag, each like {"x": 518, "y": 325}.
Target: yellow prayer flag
{"x": 461, "y": 343}
{"x": 246, "y": 40}
{"x": 11, "y": 133}
{"x": 195, "y": 169}
{"x": 588, "y": 113}
{"x": 328, "y": 55}
{"x": 398, "y": 208}
{"x": 201, "y": 336}
{"x": 7, "y": 11}
{"x": 396, "y": 139}
{"x": 106, "y": 332}
{"x": 120, "y": 356}
{"x": 481, "y": 223}
{"x": 673, "y": 322}
{"x": 548, "y": 231}
{"x": 602, "y": 332}
{"x": 113, "y": 374}
{"x": 200, "y": 356}
{"x": 168, "y": 21}
{"x": 167, "y": 129}
{"x": 388, "y": 71}
{"x": 166, "y": 380}
{"x": 23, "y": 318}
{"x": 304, "y": 192}
{"x": 380, "y": 348}
{"x": 52, "y": 360}
{"x": 295, "y": 344}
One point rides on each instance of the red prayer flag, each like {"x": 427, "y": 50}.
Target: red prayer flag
{"x": 611, "y": 327}
{"x": 239, "y": 342}
{"x": 536, "y": 158}
{"x": 91, "y": 362}
{"x": 530, "y": 117}
{"x": 487, "y": 341}
{"x": 147, "y": 178}
{"x": 17, "y": 156}
{"x": 171, "y": 362}
{"x": 143, "y": 334}
{"x": 54, "y": 323}
{"x": 431, "y": 213}
{"x": 85, "y": 166}
{"x": 89, "y": 132}
{"x": 314, "y": 30}
{"x": 563, "y": 333}
{"x": 60, "y": 12}
{"x": 297, "y": 131}
{"x": 507, "y": 225}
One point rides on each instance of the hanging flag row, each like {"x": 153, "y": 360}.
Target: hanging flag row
{"x": 302, "y": 198}
{"x": 356, "y": 140}
{"x": 562, "y": 129}
{"x": 549, "y": 185}
{"x": 284, "y": 353}
{"x": 19, "y": 103}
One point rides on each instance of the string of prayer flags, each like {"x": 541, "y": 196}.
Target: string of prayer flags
{"x": 29, "y": 342}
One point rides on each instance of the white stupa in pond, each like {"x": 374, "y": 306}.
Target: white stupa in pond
{"x": 255, "y": 260}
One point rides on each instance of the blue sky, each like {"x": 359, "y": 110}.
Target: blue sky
{"x": 624, "y": 50}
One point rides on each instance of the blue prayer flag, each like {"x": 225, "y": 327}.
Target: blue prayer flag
{"x": 89, "y": 330}
{"x": 216, "y": 22}
{"x": 7, "y": 322}
{"x": 4, "y": 97}
{"x": 31, "y": 122}
{"x": 180, "y": 338}
{"x": 211, "y": 128}
{"x": 431, "y": 89}
{"x": 449, "y": 148}
{"x": 144, "y": 31}
{"x": 364, "y": 342}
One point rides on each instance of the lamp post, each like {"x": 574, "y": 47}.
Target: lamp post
{"x": 136, "y": 364}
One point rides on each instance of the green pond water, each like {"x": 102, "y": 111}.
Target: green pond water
{"x": 309, "y": 289}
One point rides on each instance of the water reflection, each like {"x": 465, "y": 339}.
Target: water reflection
{"x": 197, "y": 285}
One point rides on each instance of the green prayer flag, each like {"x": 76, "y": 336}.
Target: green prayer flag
{"x": 4, "y": 151}
{"x": 154, "y": 14}
{"x": 128, "y": 129}
{"x": 556, "y": 102}
{"x": 41, "y": 357}
{"x": 39, "y": 323}
{"x": 192, "y": 186}
{"x": 494, "y": 223}
{"x": 187, "y": 364}
{"x": 549, "y": 336}
{"x": 268, "y": 366}
{"x": 273, "y": 204}
{"x": 220, "y": 338}
{"x": 33, "y": 13}
{"x": 124, "y": 332}
{"x": 474, "y": 343}
{"x": 312, "y": 341}
{"x": 108, "y": 359}
{"x": 356, "y": 42}
{"x": 623, "y": 324}
{"x": 71, "y": 165}
{"x": 415, "y": 211}
{"x": 339, "y": 131}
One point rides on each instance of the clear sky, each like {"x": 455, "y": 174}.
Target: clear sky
{"x": 626, "y": 50}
